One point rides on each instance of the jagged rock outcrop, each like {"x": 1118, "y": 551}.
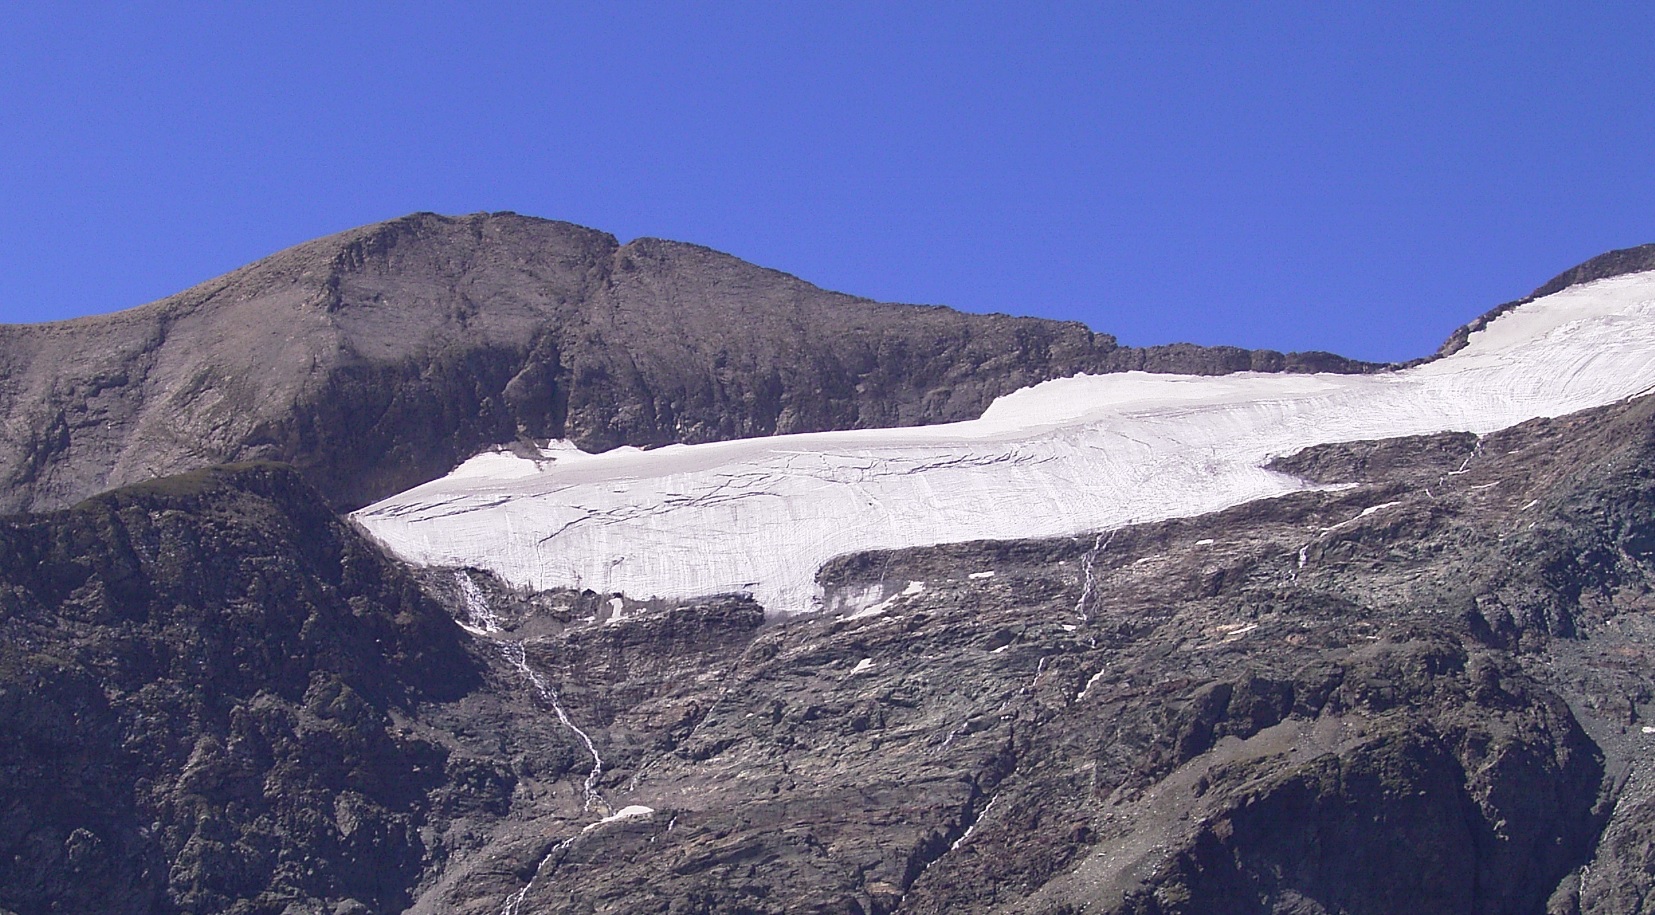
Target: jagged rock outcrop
{"x": 205, "y": 688}
{"x": 381, "y": 357}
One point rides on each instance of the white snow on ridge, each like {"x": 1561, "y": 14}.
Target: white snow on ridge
{"x": 1069, "y": 456}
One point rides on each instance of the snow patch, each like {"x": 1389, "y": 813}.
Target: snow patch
{"x": 852, "y": 601}
{"x": 632, "y": 811}
{"x": 914, "y": 587}
{"x": 1370, "y": 510}
{"x": 1090, "y": 683}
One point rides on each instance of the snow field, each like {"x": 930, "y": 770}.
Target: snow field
{"x": 1066, "y": 457}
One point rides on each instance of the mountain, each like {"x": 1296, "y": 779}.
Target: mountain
{"x": 1416, "y": 679}
{"x": 381, "y": 357}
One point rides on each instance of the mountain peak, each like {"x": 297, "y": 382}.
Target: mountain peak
{"x": 381, "y": 357}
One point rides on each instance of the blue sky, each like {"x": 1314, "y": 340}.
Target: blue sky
{"x": 1354, "y": 177}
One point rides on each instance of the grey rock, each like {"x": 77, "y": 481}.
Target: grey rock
{"x": 1291, "y": 706}
{"x": 1402, "y": 720}
{"x": 381, "y": 357}
{"x": 204, "y": 687}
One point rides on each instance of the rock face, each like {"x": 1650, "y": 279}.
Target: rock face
{"x": 202, "y": 686}
{"x": 1425, "y": 692}
{"x": 381, "y": 357}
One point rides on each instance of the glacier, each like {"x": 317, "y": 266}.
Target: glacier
{"x": 1072, "y": 456}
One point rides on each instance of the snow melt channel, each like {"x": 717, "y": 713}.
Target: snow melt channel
{"x": 1070, "y": 456}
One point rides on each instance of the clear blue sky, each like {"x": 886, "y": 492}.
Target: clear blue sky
{"x": 1353, "y": 177}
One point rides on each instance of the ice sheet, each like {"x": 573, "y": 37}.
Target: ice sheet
{"x": 1076, "y": 455}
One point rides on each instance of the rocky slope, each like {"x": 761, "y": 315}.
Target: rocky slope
{"x": 381, "y": 357}
{"x": 1424, "y": 693}
{"x": 203, "y": 684}
{"x": 1427, "y": 692}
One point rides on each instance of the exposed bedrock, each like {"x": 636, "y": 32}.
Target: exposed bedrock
{"x": 1296, "y": 705}
{"x": 204, "y": 687}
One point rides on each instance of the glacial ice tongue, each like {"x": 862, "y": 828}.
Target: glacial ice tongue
{"x": 1075, "y": 455}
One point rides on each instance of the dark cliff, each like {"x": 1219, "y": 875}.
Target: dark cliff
{"x": 201, "y": 680}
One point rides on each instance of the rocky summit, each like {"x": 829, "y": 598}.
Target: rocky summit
{"x": 1420, "y": 681}
{"x": 381, "y": 357}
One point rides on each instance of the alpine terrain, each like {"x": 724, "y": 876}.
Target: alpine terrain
{"x": 485, "y": 564}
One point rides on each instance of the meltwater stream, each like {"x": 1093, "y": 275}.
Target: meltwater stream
{"x": 482, "y": 620}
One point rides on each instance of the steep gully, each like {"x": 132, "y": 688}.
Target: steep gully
{"x": 481, "y": 620}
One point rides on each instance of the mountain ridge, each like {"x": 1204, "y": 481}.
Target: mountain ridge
{"x": 1068, "y": 456}
{"x": 1609, "y": 264}
{"x": 432, "y": 337}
